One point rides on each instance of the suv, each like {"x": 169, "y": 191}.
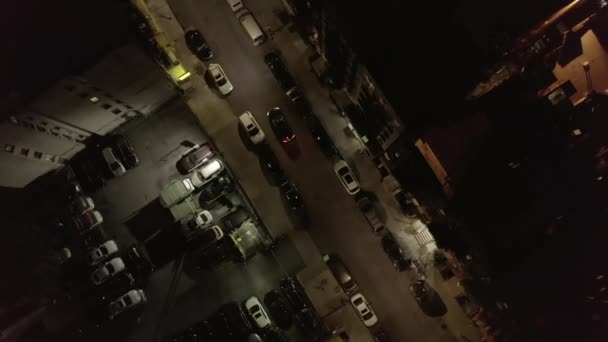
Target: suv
{"x": 279, "y": 71}
{"x": 235, "y": 219}
{"x": 213, "y": 190}
{"x": 193, "y": 158}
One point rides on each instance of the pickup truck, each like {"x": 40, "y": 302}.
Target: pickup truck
{"x": 175, "y": 192}
{"x": 368, "y": 209}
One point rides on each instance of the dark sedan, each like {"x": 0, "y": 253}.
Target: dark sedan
{"x": 394, "y": 253}
{"x": 320, "y": 135}
{"x": 213, "y": 190}
{"x": 279, "y": 309}
{"x": 280, "y": 126}
{"x": 279, "y": 71}
{"x": 428, "y": 299}
{"x": 198, "y": 45}
{"x": 270, "y": 163}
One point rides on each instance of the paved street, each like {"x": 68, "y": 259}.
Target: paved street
{"x": 337, "y": 226}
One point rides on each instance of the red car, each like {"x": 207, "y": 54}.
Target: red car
{"x": 87, "y": 221}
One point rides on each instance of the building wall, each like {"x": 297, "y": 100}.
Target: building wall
{"x": 28, "y": 152}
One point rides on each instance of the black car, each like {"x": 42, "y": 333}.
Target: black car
{"x": 214, "y": 190}
{"x": 393, "y": 251}
{"x": 220, "y": 327}
{"x": 308, "y": 324}
{"x": 291, "y": 194}
{"x": 294, "y": 294}
{"x": 118, "y": 285}
{"x": 198, "y": 45}
{"x": 88, "y": 173}
{"x": 270, "y": 162}
{"x": 280, "y": 126}
{"x": 278, "y": 309}
{"x": 275, "y": 335}
{"x": 277, "y": 67}
{"x": 203, "y": 330}
{"x": 235, "y": 219}
{"x": 137, "y": 262}
{"x": 319, "y": 134}
{"x": 124, "y": 151}
{"x": 237, "y": 320}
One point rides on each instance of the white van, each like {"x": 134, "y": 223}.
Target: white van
{"x": 235, "y": 5}
{"x": 252, "y": 28}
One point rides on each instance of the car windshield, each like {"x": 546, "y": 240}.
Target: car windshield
{"x": 349, "y": 179}
{"x": 358, "y": 301}
{"x": 103, "y": 250}
{"x": 254, "y": 131}
{"x": 368, "y": 315}
{"x": 128, "y": 301}
{"x": 110, "y": 268}
{"x": 115, "y": 165}
{"x": 220, "y": 81}
{"x": 343, "y": 171}
{"x": 255, "y": 308}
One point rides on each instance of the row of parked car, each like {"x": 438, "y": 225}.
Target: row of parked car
{"x": 111, "y": 276}
{"x": 104, "y": 158}
{"x": 256, "y": 321}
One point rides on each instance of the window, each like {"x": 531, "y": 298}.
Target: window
{"x": 94, "y": 99}
{"x": 106, "y": 106}
{"x": 25, "y": 151}
{"x": 116, "y": 111}
{"x": 9, "y": 148}
{"x": 38, "y": 155}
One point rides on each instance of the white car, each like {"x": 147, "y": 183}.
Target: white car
{"x": 99, "y": 253}
{"x": 252, "y": 128}
{"x": 219, "y": 77}
{"x": 107, "y": 271}
{"x": 199, "y": 220}
{"x": 346, "y": 177}
{"x": 125, "y": 302}
{"x": 365, "y": 312}
{"x": 256, "y": 310}
{"x": 206, "y": 172}
{"x": 235, "y": 5}
{"x": 113, "y": 163}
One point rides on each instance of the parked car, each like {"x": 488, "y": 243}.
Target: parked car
{"x": 116, "y": 286}
{"x": 207, "y": 172}
{"x": 293, "y": 198}
{"x": 125, "y": 302}
{"x": 294, "y": 293}
{"x": 98, "y": 254}
{"x": 194, "y": 158}
{"x": 80, "y": 204}
{"x": 113, "y": 163}
{"x": 204, "y": 330}
{"x": 394, "y": 252}
{"x": 367, "y": 207}
{"x": 270, "y": 162}
{"x": 254, "y": 338}
{"x": 279, "y": 309}
{"x": 280, "y": 126}
{"x": 137, "y": 261}
{"x": 251, "y": 127}
{"x": 198, "y": 44}
{"x": 320, "y": 136}
{"x": 214, "y": 190}
{"x": 346, "y": 177}
{"x": 341, "y": 273}
{"x": 107, "y": 271}
{"x": 428, "y": 299}
{"x": 235, "y": 219}
{"x": 235, "y": 5}
{"x": 87, "y": 173}
{"x": 274, "y": 334}
{"x": 280, "y": 73}
{"x": 86, "y": 221}
{"x": 219, "y": 77}
{"x": 308, "y": 324}
{"x": 237, "y": 320}
{"x": 364, "y": 310}
{"x": 197, "y": 222}
{"x": 124, "y": 151}
{"x": 257, "y": 312}
{"x": 300, "y": 102}
{"x": 206, "y": 238}
{"x": 175, "y": 192}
